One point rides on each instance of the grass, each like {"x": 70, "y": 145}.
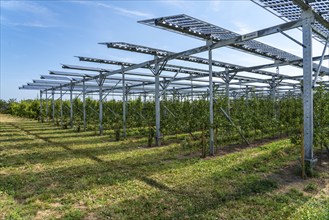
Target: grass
{"x": 49, "y": 173}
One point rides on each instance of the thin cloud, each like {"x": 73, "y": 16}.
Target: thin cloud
{"x": 119, "y": 10}
{"x": 35, "y": 24}
{"x": 31, "y": 13}
{"x": 126, "y": 12}
{"x": 29, "y": 7}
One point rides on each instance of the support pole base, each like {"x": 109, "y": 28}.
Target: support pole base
{"x": 309, "y": 166}
{"x": 158, "y": 141}
{"x": 100, "y": 130}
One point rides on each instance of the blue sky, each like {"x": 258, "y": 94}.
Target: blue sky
{"x": 37, "y": 36}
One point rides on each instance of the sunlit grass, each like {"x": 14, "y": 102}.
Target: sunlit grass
{"x": 48, "y": 173}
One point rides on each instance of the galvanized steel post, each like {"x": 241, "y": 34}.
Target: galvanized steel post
{"x": 272, "y": 91}
{"x": 46, "y": 106}
{"x": 307, "y": 88}
{"x": 273, "y": 87}
{"x": 124, "y": 100}
{"x": 227, "y": 90}
{"x": 100, "y": 84}
{"x": 61, "y": 105}
{"x": 157, "y": 104}
{"x": 191, "y": 87}
{"x": 71, "y": 105}
{"x": 53, "y": 105}
{"x": 211, "y": 103}
{"x": 41, "y": 118}
{"x": 84, "y": 103}
{"x": 247, "y": 94}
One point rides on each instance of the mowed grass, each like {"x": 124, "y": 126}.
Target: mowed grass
{"x": 50, "y": 173}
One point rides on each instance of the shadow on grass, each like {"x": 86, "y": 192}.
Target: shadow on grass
{"x": 16, "y": 140}
{"x": 101, "y": 172}
{"x": 67, "y": 179}
{"x": 239, "y": 181}
{"x": 86, "y": 148}
{"x": 50, "y": 156}
{"x": 238, "y": 190}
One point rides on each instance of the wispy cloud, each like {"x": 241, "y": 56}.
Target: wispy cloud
{"x": 31, "y": 14}
{"x": 119, "y": 10}
{"x": 35, "y": 24}
{"x": 125, "y": 11}
{"x": 25, "y": 6}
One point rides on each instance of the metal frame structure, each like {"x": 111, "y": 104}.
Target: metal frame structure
{"x": 157, "y": 77}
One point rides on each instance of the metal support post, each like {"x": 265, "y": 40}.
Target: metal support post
{"x": 240, "y": 90}
{"x": 124, "y": 100}
{"x": 46, "y": 106}
{"x": 144, "y": 97}
{"x": 84, "y": 103}
{"x": 247, "y": 93}
{"x": 61, "y": 105}
{"x": 273, "y": 88}
{"x": 100, "y": 84}
{"x": 71, "y": 105}
{"x": 191, "y": 87}
{"x": 307, "y": 89}
{"x": 53, "y": 105}
{"x": 211, "y": 104}
{"x": 144, "y": 92}
{"x": 157, "y": 105}
{"x": 234, "y": 94}
{"x": 41, "y": 118}
{"x": 227, "y": 90}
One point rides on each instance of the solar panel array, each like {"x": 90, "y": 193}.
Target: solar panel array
{"x": 187, "y": 25}
{"x": 194, "y": 59}
{"x": 190, "y": 26}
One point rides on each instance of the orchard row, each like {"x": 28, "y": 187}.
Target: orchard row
{"x": 255, "y": 117}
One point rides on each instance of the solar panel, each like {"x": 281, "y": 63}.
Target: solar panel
{"x": 290, "y": 11}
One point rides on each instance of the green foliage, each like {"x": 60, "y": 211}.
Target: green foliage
{"x": 257, "y": 117}
{"x": 321, "y": 117}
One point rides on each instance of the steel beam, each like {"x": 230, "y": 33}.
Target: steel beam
{"x": 254, "y": 69}
{"x": 222, "y": 43}
{"x": 320, "y": 64}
